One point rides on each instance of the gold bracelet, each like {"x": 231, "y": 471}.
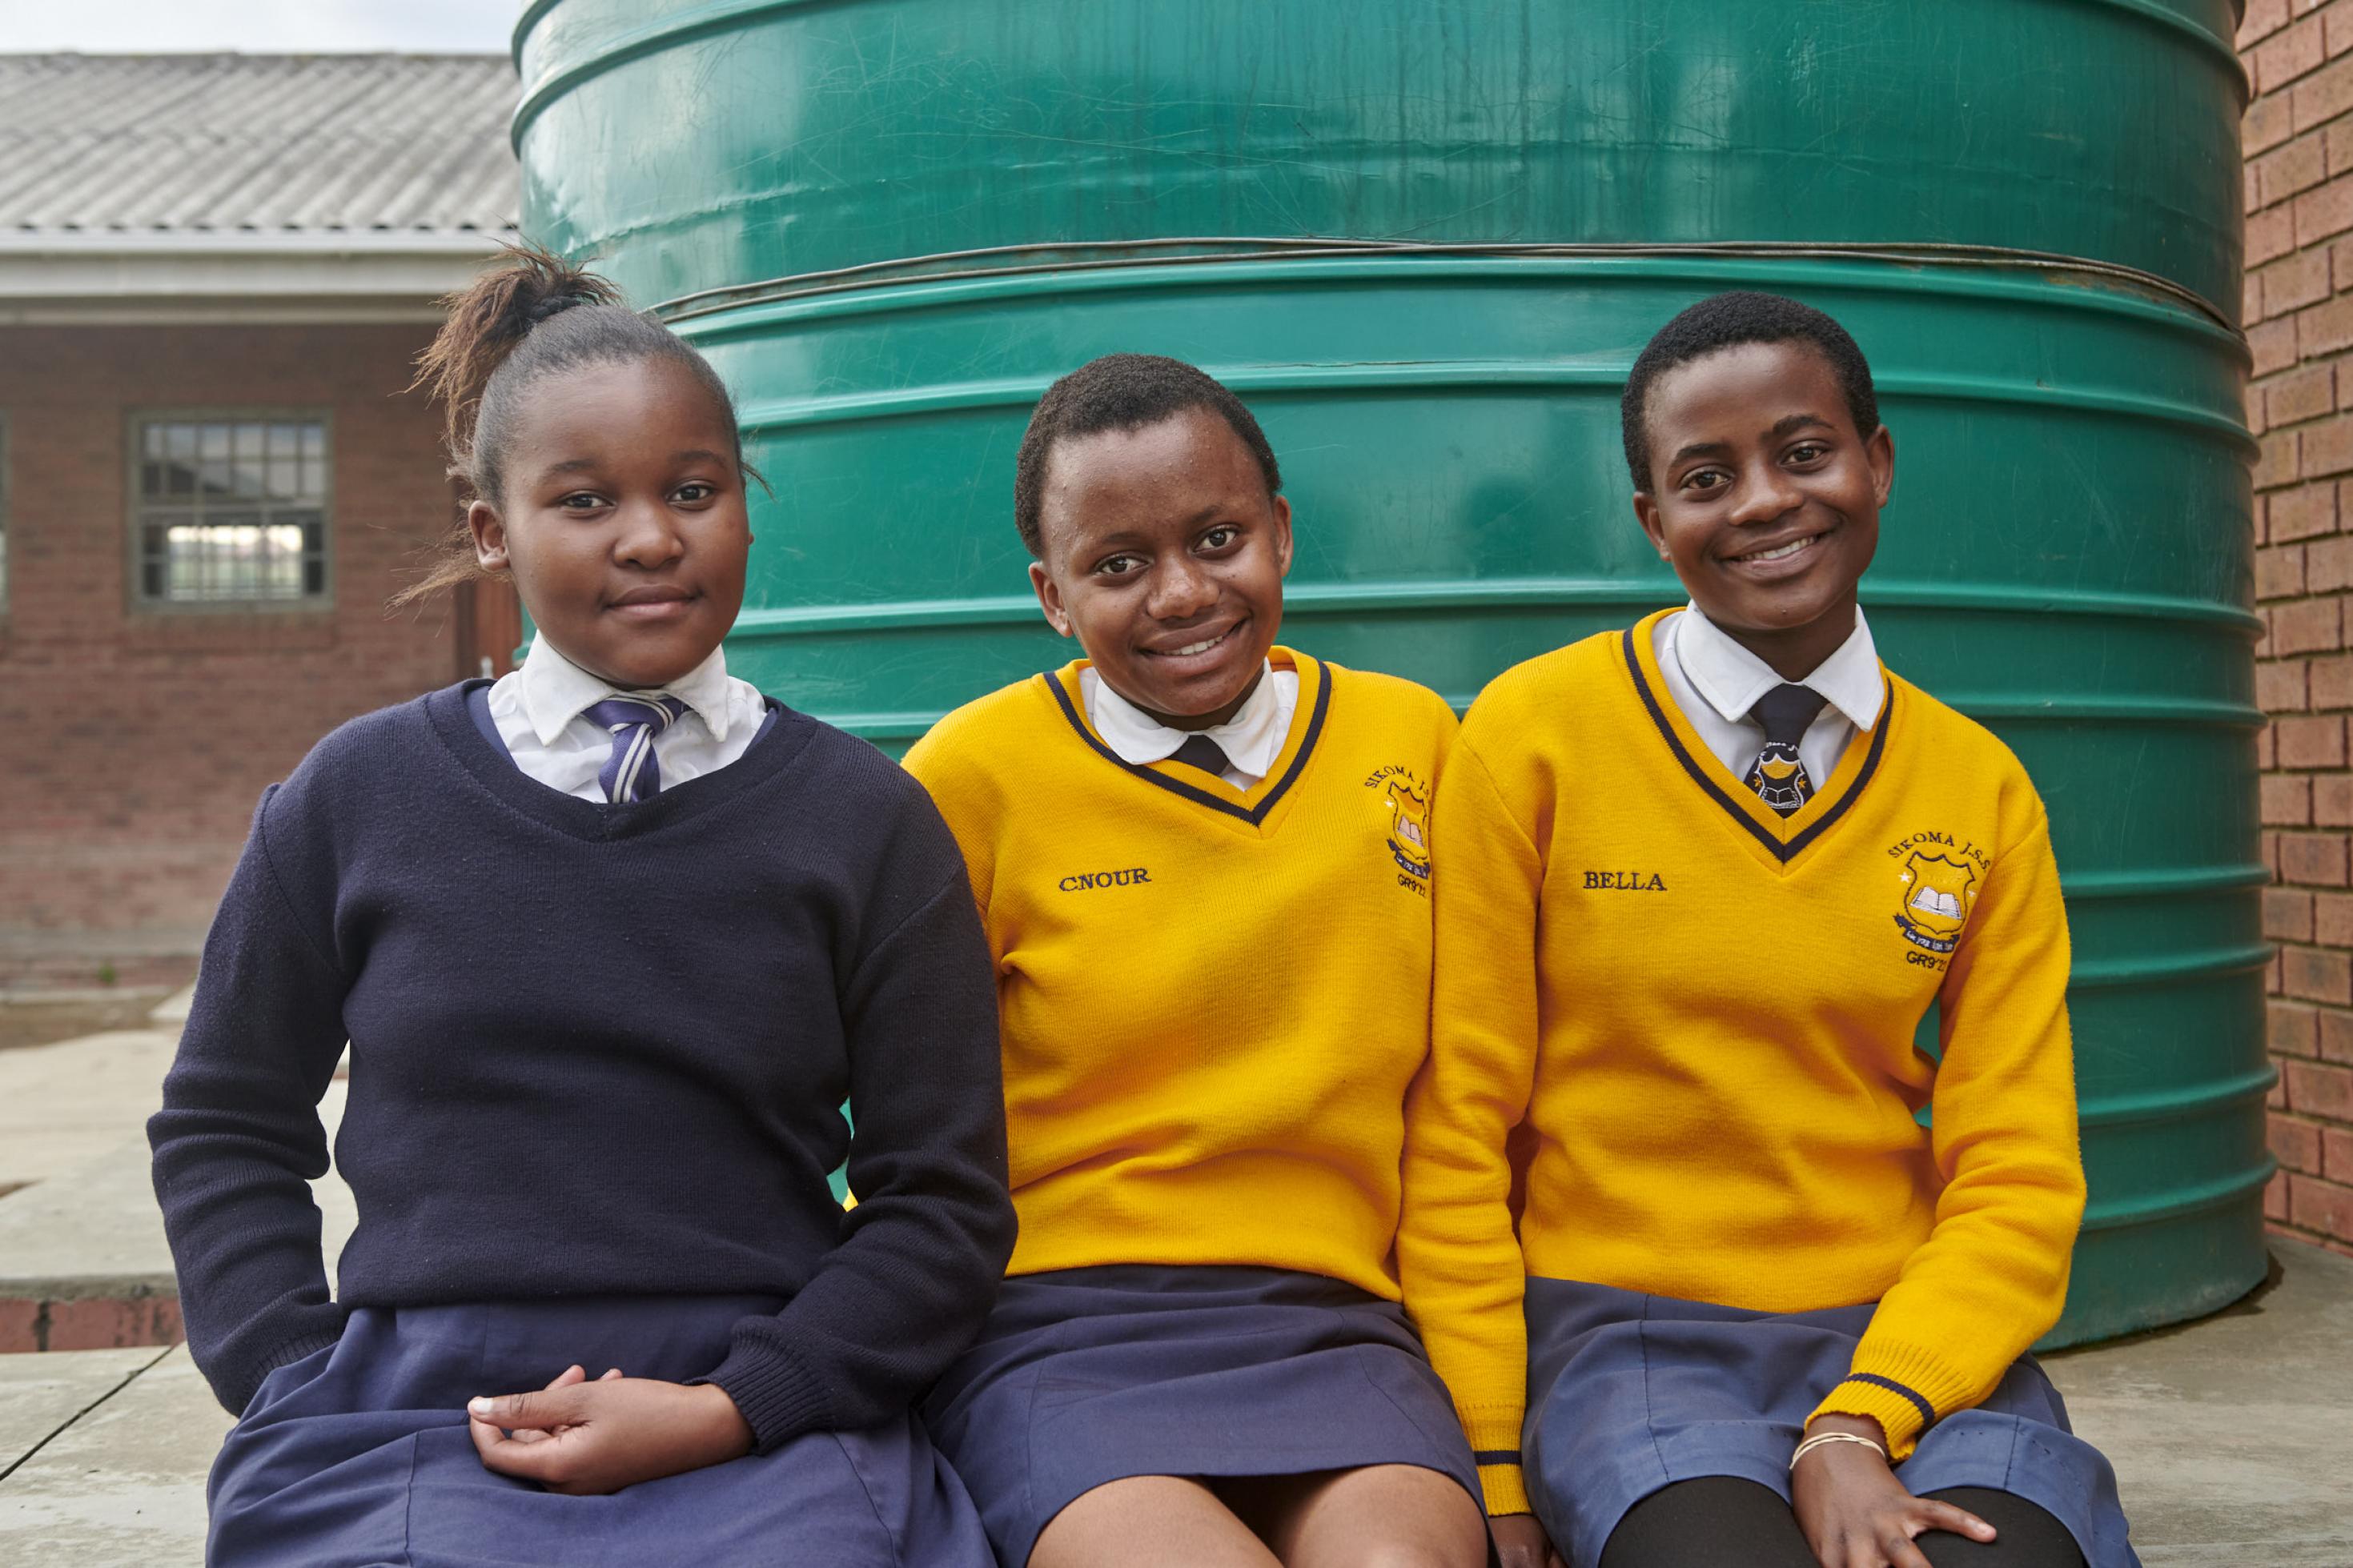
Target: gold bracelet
{"x": 1820, "y": 1439}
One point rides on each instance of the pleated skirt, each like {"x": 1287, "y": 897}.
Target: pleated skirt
{"x": 358, "y": 1456}
{"x": 1628, "y": 1393}
{"x": 1086, "y": 1376}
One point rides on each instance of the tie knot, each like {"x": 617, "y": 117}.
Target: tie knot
{"x": 633, "y": 772}
{"x": 618, "y": 713}
{"x": 1786, "y": 710}
{"x": 1202, "y": 752}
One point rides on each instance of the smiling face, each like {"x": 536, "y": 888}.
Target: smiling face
{"x": 622, "y": 519}
{"x": 1764, "y": 498}
{"x": 1163, "y": 554}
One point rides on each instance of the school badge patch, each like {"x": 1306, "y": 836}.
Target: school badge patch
{"x": 1404, "y": 800}
{"x": 1938, "y": 889}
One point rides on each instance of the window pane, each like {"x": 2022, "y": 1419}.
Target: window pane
{"x": 180, "y": 447}
{"x": 239, "y": 543}
{"x": 245, "y": 447}
{"x": 212, "y": 459}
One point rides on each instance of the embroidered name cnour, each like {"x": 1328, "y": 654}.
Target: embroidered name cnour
{"x": 1088, "y": 881}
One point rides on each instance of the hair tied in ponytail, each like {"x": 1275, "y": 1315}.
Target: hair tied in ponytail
{"x": 502, "y": 336}
{"x": 555, "y": 303}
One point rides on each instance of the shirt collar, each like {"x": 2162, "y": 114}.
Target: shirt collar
{"x": 556, "y": 690}
{"x": 1253, "y": 739}
{"x": 1731, "y": 679}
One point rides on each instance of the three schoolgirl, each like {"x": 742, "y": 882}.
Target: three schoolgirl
{"x": 612, "y": 938}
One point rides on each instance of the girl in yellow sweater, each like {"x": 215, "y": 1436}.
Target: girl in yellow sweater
{"x": 1719, "y": 1268}
{"x": 1202, "y": 863}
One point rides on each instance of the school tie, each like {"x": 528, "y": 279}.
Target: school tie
{"x": 1778, "y": 775}
{"x": 1202, "y": 752}
{"x": 632, "y": 772}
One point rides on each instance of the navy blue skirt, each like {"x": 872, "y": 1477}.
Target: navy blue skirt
{"x": 357, "y": 1455}
{"x": 1628, "y": 1393}
{"x": 1084, "y": 1376}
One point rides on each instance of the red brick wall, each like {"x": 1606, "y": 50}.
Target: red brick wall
{"x": 2299, "y": 316}
{"x": 136, "y": 743}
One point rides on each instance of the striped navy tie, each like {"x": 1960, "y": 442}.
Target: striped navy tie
{"x": 632, "y": 772}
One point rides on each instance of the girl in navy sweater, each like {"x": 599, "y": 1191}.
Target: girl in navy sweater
{"x": 611, "y": 941}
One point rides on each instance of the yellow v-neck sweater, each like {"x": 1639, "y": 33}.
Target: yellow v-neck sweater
{"x": 1705, "y": 1014}
{"x": 1212, "y": 1000}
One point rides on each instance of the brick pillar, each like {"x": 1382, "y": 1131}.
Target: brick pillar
{"x": 2299, "y": 320}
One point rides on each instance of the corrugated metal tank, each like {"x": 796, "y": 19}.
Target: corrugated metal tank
{"x": 1425, "y": 239}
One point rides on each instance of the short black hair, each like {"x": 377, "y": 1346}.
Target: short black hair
{"x": 1728, "y": 321}
{"x": 1122, "y": 391}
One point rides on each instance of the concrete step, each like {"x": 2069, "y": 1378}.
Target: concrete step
{"x": 64, "y": 1105}
{"x": 120, "y": 1478}
{"x": 83, "y": 1262}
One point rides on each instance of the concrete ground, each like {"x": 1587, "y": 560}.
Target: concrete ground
{"x": 2229, "y": 1436}
{"x": 2233, "y": 1436}
{"x": 63, "y": 1105}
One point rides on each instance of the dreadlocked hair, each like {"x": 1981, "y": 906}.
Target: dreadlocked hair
{"x": 529, "y": 316}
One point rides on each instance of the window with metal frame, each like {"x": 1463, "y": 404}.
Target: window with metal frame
{"x": 230, "y": 510}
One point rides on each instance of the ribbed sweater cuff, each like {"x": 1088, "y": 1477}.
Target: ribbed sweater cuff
{"x": 1494, "y": 1434}
{"x": 287, "y": 1354}
{"x": 777, "y": 1398}
{"x": 1906, "y": 1390}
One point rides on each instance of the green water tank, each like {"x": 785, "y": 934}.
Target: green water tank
{"x": 1425, "y": 239}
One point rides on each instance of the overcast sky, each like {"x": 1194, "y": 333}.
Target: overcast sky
{"x": 256, "y": 26}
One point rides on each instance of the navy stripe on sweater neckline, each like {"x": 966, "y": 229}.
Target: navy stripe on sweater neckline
{"x": 1253, "y": 814}
{"x": 1783, "y": 852}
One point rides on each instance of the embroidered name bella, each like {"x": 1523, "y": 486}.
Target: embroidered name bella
{"x": 1626, "y": 881}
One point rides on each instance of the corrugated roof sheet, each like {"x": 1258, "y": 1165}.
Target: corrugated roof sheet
{"x": 159, "y": 145}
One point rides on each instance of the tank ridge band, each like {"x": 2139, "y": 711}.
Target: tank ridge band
{"x": 1064, "y": 258}
{"x": 1255, "y": 381}
{"x": 721, "y": 16}
{"x": 1633, "y": 594}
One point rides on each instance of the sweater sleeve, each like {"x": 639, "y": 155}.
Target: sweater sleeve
{"x": 238, "y": 1140}
{"x": 1992, "y": 1275}
{"x": 917, "y": 1268}
{"x": 1458, "y": 1257}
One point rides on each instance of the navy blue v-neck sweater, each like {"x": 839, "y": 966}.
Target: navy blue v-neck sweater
{"x": 597, "y": 1049}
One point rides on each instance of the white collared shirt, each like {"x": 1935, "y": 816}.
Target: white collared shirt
{"x": 1715, "y": 682}
{"x": 1253, "y": 739}
{"x": 537, "y": 708}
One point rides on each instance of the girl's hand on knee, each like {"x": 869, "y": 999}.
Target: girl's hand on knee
{"x": 586, "y": 1438}
{"x": 1520, "y": 1543}
{"x": 1856, "y": 1514}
